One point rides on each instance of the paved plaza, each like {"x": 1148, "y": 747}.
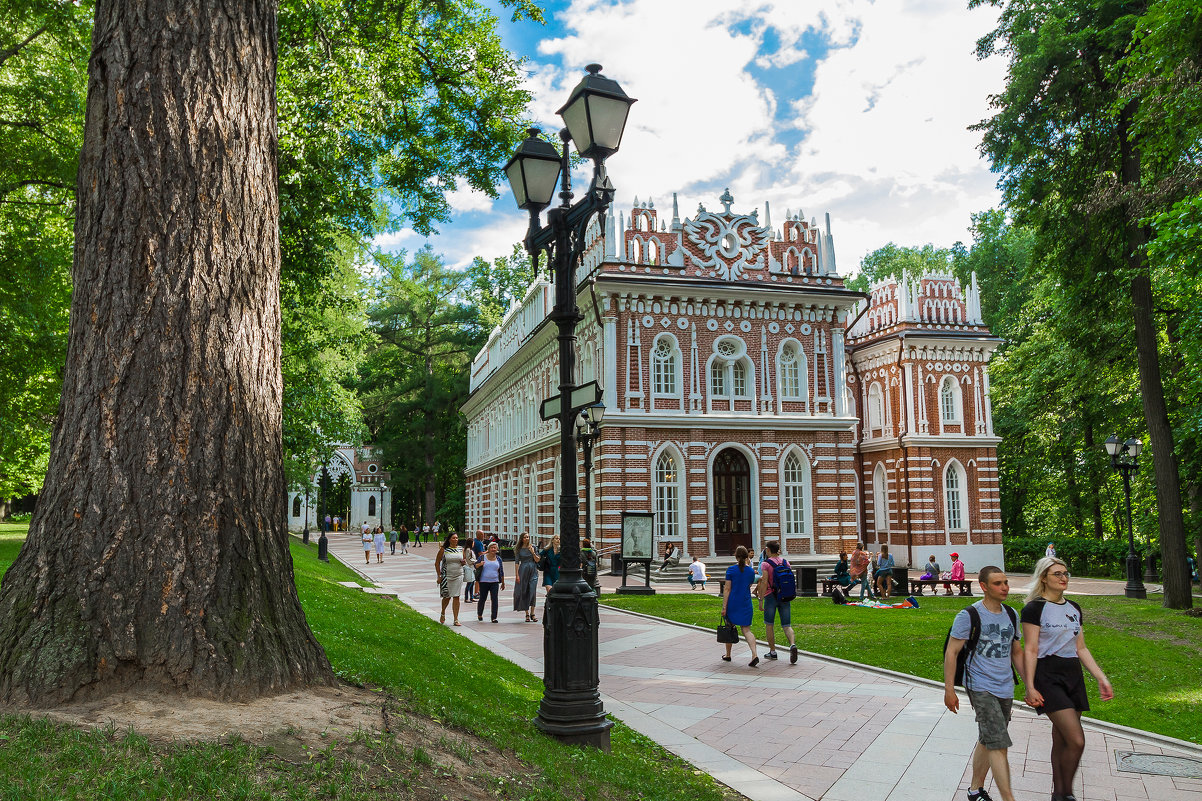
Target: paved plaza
{"x": 820, "y": 729}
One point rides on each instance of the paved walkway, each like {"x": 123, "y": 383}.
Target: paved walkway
{"x": 820, "y": 729}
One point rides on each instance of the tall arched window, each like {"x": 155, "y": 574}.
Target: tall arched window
{"x": 557, "y": 488}
{"x": 718, "y": 379}
{"x": 636, "y": 249}
{"x": 792, "y": 371}
{"x": 667, "y": 497}
{"x": 664, "y": 366}
{"x": 795, "y": 476}
{"x": 949, "y": 400}
{"x": 296, "y": 506}
{"x": 516, "y": 502}
{"x": 653, "y": 252}
{"x": 880, "y": 499}
{"x": 876, "y": 408}
{"x": 371, "y": 505}
{"x": 738, "y": 371}
{"x": 955, "y": 497}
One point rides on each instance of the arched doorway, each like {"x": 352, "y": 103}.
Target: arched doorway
{"x": 732, "y": 502}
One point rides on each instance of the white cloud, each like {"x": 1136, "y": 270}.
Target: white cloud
{"x": 884, "y": 145}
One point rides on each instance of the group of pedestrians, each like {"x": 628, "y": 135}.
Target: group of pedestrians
{"x": 774, "y": 590}
{"x": 477, "y": 572}
{"x": 1051, "y": 662}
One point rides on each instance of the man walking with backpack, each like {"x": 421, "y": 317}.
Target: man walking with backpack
{"x": 776, "y": 590}
{"x": 981, "y": 654}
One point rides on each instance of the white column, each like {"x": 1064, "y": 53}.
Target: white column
{"x": 840, "y": 376}
{"x": 908, "y": 374}
{"x": 988, "y": 407}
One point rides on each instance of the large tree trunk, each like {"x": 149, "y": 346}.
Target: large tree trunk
{"x": 158, "y": 555}
{"x": 1177, "y": 589}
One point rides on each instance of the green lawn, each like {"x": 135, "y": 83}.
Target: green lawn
{"x": 369, "y": 640}
{"x": 1153, "y": 656}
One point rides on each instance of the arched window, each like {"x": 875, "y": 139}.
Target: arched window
{"x": 955, "y": 497}
{"x": 516, "y": 501}
{"x": 296, "y": 512}
{"x": 718, "y": 378}
{"x": 949, "y": 400}
{"x": 663, "y": 369}
{"x": 557, "y": 484}
{"x": 880, "y": 499}
{"x": 653, "y": 252}
{"x": 795, "y": 476}
{"x": 876, "y": 408}
{"x": 739, "y": 372}
{"x": 792, "y": 371}
{"x": 371, "y": 505}
{"x": 667, "y": 497}
{"x": 637, "y": 252}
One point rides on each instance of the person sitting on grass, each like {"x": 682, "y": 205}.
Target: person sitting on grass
{"x": 696, "y": 574}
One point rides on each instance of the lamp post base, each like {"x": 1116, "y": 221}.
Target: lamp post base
{"x": 571, "y": 710}
{"x": 1135, "y": 587}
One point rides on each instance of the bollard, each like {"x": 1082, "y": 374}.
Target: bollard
{"x": 305, "y": 535}
{"x": 323, "y": 547}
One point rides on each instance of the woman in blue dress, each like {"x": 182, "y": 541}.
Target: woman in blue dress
{"x": 736, "y": 601}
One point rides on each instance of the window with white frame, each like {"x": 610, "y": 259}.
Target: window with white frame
{"x": 795, "y": 475}
{"x": 664, "y": 368}
{"x": 730, "y": 369}
{"x": 515, "y": 501}
{"x": 791, "y": 371}
{"x": 949, "y": 400}
{"x": 876, "y": 408}
{"x": 557, "y": 484}
{"x": 718, "y": 379}
{"x": 880, "y": 499}
{"x": 955, "y": 497}
{"x": 667, "y": 497}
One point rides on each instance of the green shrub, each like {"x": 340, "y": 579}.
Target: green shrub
{"x": 1084, "y": 556}
{"x": 20, "y": 517}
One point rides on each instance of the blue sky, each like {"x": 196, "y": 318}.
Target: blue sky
{"x": 852, "y": 107}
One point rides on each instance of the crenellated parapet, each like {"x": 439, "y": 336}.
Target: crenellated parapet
{"x": 933, "y": 301}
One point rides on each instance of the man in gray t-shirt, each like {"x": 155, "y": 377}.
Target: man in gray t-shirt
{"x": 988, "y": 679}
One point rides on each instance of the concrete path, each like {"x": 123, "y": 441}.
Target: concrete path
{"x": 820, "y": 729}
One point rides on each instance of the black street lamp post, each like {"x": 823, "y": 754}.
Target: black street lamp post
{"x": 1124, "y": 457}
{"x": 595, "y": 116}
{"x": 323, "y": 542}
{"x": 588, "y": 431}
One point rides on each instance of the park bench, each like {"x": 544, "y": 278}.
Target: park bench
{"x": 917, "y": 585}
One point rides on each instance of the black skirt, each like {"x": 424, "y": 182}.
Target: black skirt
{"x": 1061, "y": 682}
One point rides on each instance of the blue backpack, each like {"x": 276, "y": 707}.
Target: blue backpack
{"x": 784, "y": 583}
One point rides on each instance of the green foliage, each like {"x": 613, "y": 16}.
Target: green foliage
{"x": 383, "y": 108}
{"x": 498, "y": 285}
{"x": 1151, "y": 655}
{"x": 891, "y": 261}
{"x": 1085, "y": 557}
{"x": 42, "y": 90}
{"x": 416, "y": 378}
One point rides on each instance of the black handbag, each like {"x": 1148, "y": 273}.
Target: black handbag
{"x": 727, "y": 633}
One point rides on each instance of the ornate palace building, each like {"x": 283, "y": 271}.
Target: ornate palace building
{"x": 749, "y": 396}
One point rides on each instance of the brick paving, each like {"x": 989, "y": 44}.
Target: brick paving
{"x": 820, "y": 729}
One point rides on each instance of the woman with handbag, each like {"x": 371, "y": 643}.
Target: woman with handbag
{"x": 883, "y": 576}
{"x": 736, "y": 601}
{"x": 525, "y": 581}
{"x": 448, "y": 569}
{"x": 549, "y": 563}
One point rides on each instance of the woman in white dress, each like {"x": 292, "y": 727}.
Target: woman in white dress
{"x": 448, "y": 570}
{"x": 378, "y": 536}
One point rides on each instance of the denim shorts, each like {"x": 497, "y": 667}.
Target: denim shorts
{"x": 771, "y": 606}
{"x": 993, "y": 716}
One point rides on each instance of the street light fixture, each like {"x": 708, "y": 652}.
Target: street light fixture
{"x": 1124, "y": 457}
{"x": 595, "y": 116}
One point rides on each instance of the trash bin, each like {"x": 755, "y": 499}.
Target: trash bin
{"x": 901, "y": 581}
{"x": 807, "y": 581}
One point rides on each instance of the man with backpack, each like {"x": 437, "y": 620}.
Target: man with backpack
{"x": 981, "y": 654}
{"x": 776, "y": 590}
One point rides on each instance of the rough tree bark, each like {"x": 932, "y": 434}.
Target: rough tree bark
{"x": 1178, "y": 593}
{"x": 158, "y": 555}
